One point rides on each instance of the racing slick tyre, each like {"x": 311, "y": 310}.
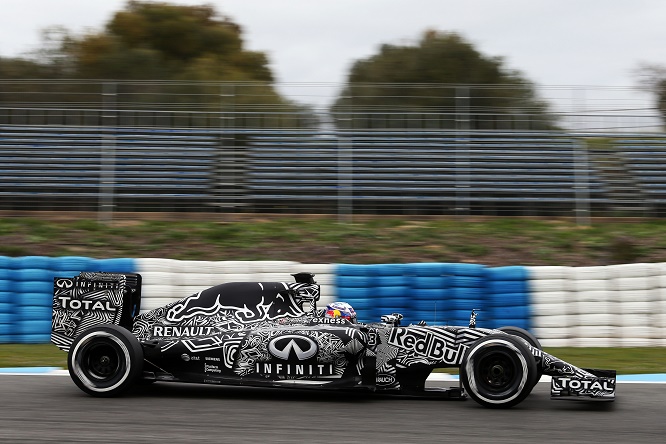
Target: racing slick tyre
{"x": 522, "y": 333}
{"x": 531, "y": 339}
{"x": 105, "y": 360}
{"x": 498, "y": 371}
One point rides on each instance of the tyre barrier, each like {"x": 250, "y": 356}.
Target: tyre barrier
{"x": 6, "y": 302}
{"x": 607, "y": 306}
{"x": 26, "y": 292}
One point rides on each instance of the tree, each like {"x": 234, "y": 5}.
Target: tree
{"x": 193, "y": 48}
{"x": 442, "y": 77}
{"x": 164, "y": 41}
{"x": 652, "y": 78}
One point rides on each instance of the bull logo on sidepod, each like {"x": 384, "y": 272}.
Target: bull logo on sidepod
{"x": 250, "y": 302}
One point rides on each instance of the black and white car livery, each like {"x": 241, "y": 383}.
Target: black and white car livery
{"x": 272, "y": 334}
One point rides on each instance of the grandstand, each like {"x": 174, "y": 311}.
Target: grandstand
{"x": 423, "y": 172}
{"x": 644, "y": 160}
{"x": 79, "y": 167}
{"x": 532, "y": 173}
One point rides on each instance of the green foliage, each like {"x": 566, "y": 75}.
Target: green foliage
{"x": 493, "y": 242}
{"x": 652, "y": 78}
{"x": 192, "y": 51}
{"x": 425, "y": 79}
{"x": 32, "y": 355}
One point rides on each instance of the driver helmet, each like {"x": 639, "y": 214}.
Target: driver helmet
{"x": 341, "y": 310}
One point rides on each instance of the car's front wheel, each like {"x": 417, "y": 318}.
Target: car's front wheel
{"x": 498, "y": 371}
{"x": 105, "y": 360}
{"x": 531, "y": 339}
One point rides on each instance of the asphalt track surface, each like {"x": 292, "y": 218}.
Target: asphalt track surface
{"x": 50, "y": 409}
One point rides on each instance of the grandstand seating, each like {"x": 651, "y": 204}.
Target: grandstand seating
{"x": 139, "y": 166}
{"x": 509, "y": 171}
{"x": 645, "y": 159}
{"x": 372, "y": 172}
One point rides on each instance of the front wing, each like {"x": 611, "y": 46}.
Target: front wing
{"x": 599, "y": 385}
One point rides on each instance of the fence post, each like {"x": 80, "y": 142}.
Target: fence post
{"x": 581, "y": 181}
{"x": 108, "y": 152}
{"x": 345, "y": 179}
{"x": 346, "y": 164}
{"x": 462, "y": 150}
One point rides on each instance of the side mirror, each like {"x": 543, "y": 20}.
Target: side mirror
{"x": 393, "y": 318}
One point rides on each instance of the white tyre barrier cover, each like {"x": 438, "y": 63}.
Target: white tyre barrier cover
{"x": 596, "y": 320}
{"x": 631, "y": 270}
{"x": 158, "y": 291}
{"x": 584, "y": 285}
{"x": 157, "y": 278}
{"x": 660, "y": 322}
{"x": 595, "y": 331}
{"x": 549, "y": 297}
{"x": 594, "y": 342}
{"x": 651, "y": 295}
{"x": 156, "y": 264}
{"x": 593, "y": 296}
{"x": 544, "y": 333}
{"x": 153, "y": 303}
{"x": 588, "y": 273}
{"x": 555, "y": 342}
{"x": 276, "y": 277}
{"x": 548, "y": 272}
{"x": 639, "y": 307}
{"x": 634, "y": 321}
{"x": 548, "y": 285}
{"x": 585, "y": 307}
{"x": 636, "y": 331}
{"x": 557, "y": 321}
{"x": 550, "y": 309}
{"x": 634, "y": 283}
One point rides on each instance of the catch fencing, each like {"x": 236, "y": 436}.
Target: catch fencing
{"x": 606, "y": 306}
{"x": 215, "y": 147}
{"x": 115, "y": 170}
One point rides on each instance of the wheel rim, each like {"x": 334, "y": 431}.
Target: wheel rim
{"x": 101, "y": 362}
{"x": 497, "y": 371}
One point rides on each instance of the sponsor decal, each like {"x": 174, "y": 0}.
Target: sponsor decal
{"x": 426, "y": 343}
{"x": 385, "y": 380}
{"x": 82, "y": 284}
{"x": 338, "y": 321}
{"x": 210, "y": 368}
{"x": 270, "y": 368}
{"x": 64, "y": 283}
{"x": 292, "y": 347}
{"x": 168, "y": 331}
{"x": 584, "y": 385}
{"x": 84, "y": 304}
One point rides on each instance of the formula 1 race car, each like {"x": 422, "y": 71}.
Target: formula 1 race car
{"x": 271, "y": 334}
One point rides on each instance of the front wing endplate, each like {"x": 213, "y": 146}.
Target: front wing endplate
{"x": 599, "y": 387}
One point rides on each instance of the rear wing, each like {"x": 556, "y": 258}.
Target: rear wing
{"x": 91, "y": 299}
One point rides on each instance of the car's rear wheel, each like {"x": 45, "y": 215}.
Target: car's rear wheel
{"x": 498, "y": 371}
{"x": 105, "y": 360}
